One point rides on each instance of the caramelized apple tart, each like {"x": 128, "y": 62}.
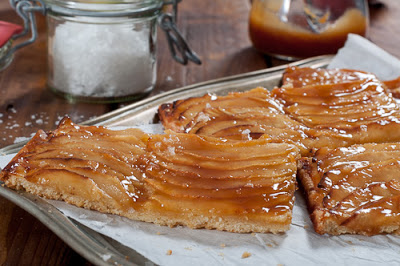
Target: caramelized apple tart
{"x": 170, "y": 179}
{"x": 230, "y": 162}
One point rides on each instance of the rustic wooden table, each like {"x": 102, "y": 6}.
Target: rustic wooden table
{"x": 216, "y": 30}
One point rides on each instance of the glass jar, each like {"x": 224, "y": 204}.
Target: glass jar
{"x": 102, "y": 58}
{"x": 102, "y": 50}
{"x": 295, "y": 29}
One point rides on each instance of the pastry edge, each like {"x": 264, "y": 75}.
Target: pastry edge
{"x": 279, "y": 223}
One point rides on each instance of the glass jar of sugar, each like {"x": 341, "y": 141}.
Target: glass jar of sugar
{"x": 104, "y": 50}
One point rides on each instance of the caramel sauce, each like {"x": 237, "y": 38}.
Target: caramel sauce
{"x": 270, "y": 35}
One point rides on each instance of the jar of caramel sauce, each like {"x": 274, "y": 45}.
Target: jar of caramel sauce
{"x": 295, "y": 29}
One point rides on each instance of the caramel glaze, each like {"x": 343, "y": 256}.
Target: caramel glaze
{"x": 160, "y": 177}
{"x": 354, "y": 189}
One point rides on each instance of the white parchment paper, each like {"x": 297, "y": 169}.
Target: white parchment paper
{"x": 299, "y": 246}
{"x": 361, "y": 54}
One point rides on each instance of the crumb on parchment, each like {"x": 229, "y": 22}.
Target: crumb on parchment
{"x": 169, "y": 252}
{"x": 246, "y": 255}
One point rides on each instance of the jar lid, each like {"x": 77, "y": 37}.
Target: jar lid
{"x": 105, "y": 8}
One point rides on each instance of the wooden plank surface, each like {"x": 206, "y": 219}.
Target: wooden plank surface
{"x": 216, "y": 30}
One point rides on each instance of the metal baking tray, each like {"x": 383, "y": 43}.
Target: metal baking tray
{"x": 92, "y": 245}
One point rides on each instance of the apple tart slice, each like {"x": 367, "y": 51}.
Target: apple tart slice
{"x": 298, "y": 77}
{"x": 314, "y": 108}
{"x": 340, "y": 107}
{"x": 240, "y": 115}
{"x": 170, "y": 179}
{"x": 233, "y": 185}
{"x": 87, "y": 166}
{"x": 353, "y": 190}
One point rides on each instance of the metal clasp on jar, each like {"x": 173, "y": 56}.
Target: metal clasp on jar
{"x": 178, "y": 46}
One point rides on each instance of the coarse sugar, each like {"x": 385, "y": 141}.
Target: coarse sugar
{"x": 102, "y": 60}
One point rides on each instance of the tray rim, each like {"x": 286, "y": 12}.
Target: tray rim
{"x": 69, "y": 230}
